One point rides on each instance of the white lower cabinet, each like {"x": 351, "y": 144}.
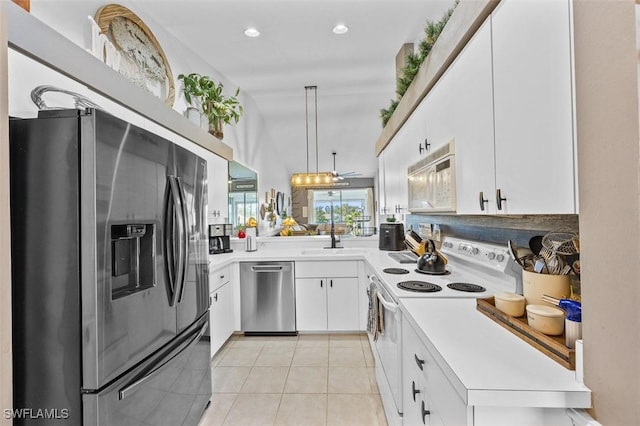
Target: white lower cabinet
{"x": 427, "y": 396}
{"x": 221, "y": 315}
{"x": 327, "y": 297}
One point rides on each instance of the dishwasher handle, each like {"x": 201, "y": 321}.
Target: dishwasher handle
{"x": 266, "y": 268}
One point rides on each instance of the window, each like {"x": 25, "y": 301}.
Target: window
{"x": 351, "y": 208}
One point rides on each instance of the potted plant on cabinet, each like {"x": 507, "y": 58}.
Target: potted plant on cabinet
{"x": 218, "y": 109}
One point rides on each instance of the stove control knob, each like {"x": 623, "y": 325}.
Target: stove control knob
{"x": 491, "y": 256}
{"x": 475, "y": 250}
{"x": 500, "y": 257}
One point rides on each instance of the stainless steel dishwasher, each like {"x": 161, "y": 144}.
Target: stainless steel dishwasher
{"x": 267, "y": 295}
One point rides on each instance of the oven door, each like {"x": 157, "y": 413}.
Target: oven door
{"x": 387, "y": 350}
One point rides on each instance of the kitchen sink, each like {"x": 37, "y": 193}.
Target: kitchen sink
{"x": 348, "y": 251}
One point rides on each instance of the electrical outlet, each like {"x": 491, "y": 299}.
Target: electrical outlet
{"x": 436, "y": 232}
{"x": 424, "y": 229}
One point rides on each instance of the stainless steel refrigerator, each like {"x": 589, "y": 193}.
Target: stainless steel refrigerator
{"x": 110, "y": 274}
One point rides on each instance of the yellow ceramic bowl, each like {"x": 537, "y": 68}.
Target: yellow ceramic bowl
{"x": 510, "y": 303}
{"x": 546, "y": 319}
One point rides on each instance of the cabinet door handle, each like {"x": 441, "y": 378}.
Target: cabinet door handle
{"x": 321, "y": 283}
{"x": 425, "y": 413}
{"x": 215, "y": 297}
{"x": 414, "y": 390}
{"x": 482, "y": 200}
{"x": 499, "y": 199}
{"x": 426, "y": 146}
{"x": 331, "y": 283}
{"x": 222, "y": 277}
{"x": 419, "y": 361}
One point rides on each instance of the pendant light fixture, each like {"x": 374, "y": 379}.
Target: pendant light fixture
{"x": 317, "y": 178}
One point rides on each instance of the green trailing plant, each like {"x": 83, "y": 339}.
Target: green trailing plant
{"x": 213, "y": 104}
{"x": 414, "y": 61}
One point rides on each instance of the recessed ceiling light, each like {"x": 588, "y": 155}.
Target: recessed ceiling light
{"x": 340, "y": 29}
{"x": 251, "y": 32}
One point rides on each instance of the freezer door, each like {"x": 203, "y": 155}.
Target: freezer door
{"x": 126, "y": 297}
{"x": 172, "y": 387}
{"x": 193, "y": 290}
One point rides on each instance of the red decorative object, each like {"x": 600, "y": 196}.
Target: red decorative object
{"x": 241, "y": 234}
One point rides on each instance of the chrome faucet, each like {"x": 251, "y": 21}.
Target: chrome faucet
{"x": 333, "y": 234}
{"x": 333, "y": 228}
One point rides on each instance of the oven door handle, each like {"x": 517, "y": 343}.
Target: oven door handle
{"x": 388, "y": 305}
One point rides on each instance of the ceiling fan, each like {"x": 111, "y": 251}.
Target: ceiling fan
{"x": 340, "y": 176}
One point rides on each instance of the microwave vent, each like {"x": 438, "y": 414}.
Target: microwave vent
{"x": 444, "y": 151}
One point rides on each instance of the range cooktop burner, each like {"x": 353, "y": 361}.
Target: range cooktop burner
{"x": 470, "y": 288}
{"x": 395, "y": 271}
{"x": 446, "y": 272}
{"x": 419, "y": 286}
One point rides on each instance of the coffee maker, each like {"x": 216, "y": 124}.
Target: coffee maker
{"x": 220, "y": 238}
{"x": 391, "y": 237}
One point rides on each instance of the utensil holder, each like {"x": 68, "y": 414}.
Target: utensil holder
{"x": 534, "y": 285}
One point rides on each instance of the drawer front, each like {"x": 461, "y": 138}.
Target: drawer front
{"x": 439, "y": 396}
{"x": 415, "y": 355}
{"x": 327, "y": 269}
{"x": 219, "y": 277}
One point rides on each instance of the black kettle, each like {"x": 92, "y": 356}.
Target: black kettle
{"x": 431, "y": 262}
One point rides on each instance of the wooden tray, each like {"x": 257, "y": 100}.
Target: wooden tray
{"x": 552, "y": 346}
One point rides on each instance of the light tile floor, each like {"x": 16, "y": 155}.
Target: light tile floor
{"x": 306, "y": 380}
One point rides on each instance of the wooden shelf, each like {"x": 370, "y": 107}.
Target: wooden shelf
{"x": 26, "y": 33}
{"x": 552, "y": 346}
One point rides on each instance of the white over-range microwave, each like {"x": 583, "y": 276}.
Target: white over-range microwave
{"x": 432, "y": 181}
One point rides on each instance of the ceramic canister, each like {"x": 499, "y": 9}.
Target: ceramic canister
{"x": 534, "y": 285}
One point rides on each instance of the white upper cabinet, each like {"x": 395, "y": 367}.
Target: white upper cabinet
{"x": 532, "y": 80}
{"x": 398, "y": 155}
{"x": 473, "y": 123}
{"x": 218, "y": 178}
{"x": 382, "y": 201}
{"x": 507, "y": 100}
{"x": 435, "y": 114}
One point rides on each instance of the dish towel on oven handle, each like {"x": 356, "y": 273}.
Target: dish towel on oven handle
{"x": 375, "y": 319}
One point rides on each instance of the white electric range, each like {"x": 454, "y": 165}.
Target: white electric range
{"x": 474, "y": 270}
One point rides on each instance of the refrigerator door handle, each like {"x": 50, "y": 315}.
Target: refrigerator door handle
{"x": 184, "y": 239}
{"x": 175, "y": 238}
{"x": 165, "y": 358}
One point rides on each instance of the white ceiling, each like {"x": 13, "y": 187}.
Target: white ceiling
{"x": 354, "y": 72}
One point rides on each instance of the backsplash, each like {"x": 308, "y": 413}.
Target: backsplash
{"x": 496, "y": 229}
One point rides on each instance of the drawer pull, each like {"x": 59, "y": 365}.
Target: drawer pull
{"x": 222, "y": 277}
{"x": 414, "y": 390}
{"x": 425, "y": 413}
{"x": 419, "y": 361}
